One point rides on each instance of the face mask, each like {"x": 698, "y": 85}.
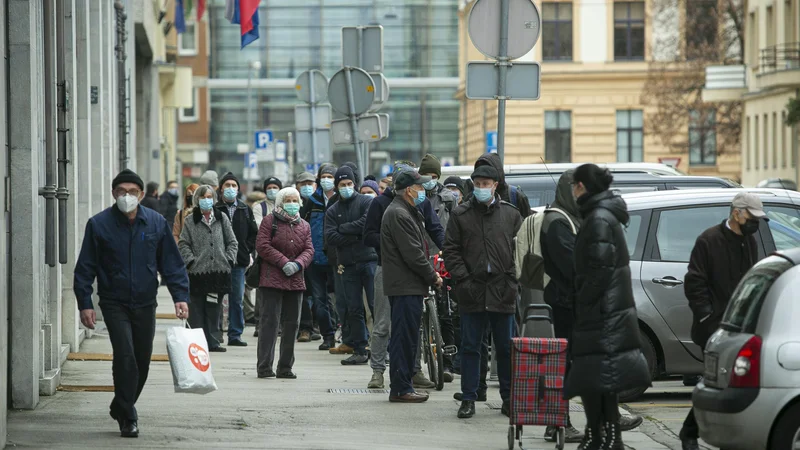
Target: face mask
{"x": 456, "y": 195}
{"x": 483, "y": 194}
{"x": 429, "y": 185}
{"x": 291, "y": 208}
{"x": 327, "y": 184}
{"x": 306, "y": 191}
{"x": 206, "y": 204}
{"x": 371, "y": 195}
{"x": 127, "y": 203}
{"x": 346, "y": 192}
{"x": 419, "y": 198}
{"x": 230, "y": 193}
{"x": 749, "y": 227}
{"x": 173, "y": 191}
{"x": 272, "y": 194}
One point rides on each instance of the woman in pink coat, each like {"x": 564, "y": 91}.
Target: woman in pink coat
{"x": 284, "y": 245}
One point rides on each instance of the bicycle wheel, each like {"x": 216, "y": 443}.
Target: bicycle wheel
{"x": 436, "y": 344}
{"x": 425, "y": 340}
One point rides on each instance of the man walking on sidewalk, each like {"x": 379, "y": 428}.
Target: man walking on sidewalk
{"x": 122, "y": 248}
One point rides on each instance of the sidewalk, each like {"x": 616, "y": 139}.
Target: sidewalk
{"x": 247, "y": 412}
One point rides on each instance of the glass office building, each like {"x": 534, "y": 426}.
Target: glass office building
{"x": 420, "y": 43}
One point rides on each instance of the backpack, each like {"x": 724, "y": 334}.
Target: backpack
{"x": 263, "y": 209}
{"x": 512, "y": 194}
{"x": 529, "y": 259}
{"x": 253, "y": 274}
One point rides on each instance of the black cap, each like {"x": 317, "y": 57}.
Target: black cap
{"x": 344, "y": 173}
{"x": 229, "y": 176}
{"x": 127, "y": 176}
{"x": 454, "y": 181}
{"x": 408, "y": 178}
{"x": 485, "y": 172}
{"x": 271, "y": 180}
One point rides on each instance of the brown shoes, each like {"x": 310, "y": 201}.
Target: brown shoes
{"x": 304, "y": 336}
{"x": 342, "y": 349}
{"x": 411, "y": 397}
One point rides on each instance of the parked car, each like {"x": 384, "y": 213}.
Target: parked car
{"x": 558, "y": 168}
{"x": 777, "y": 183}
{"x": 749, "y": 398}
{"x": 663, "y": 228}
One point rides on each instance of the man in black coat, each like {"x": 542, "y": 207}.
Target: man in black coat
{"x": 150, "y": 199}
{"x": 721, "y": 256}
{"x": 245, "y": 229}
{"x": 407, "y": 276}
{"x": 344, "y": 229}
{"x": 168, "y": 203}
{"x": 485, "y": 279}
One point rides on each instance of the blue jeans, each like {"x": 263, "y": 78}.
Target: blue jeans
{"x": 473, "y": 330}
{"x": 318, "y": 275}
{"x": 404, "y": 342}
{"x": 235, "y": 310}
{"x": 357, "y": 280}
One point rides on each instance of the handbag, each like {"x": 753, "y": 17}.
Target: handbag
{"x": 252, "y": 276}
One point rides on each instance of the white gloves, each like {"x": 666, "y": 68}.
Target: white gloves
{"x": 291, "y": 268}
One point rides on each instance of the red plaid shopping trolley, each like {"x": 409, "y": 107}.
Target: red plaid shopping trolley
{"x": 538, "y": 366}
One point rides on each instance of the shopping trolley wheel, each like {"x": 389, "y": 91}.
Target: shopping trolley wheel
{"x": 560, "y": 438}
{"x": 511, "y": 437}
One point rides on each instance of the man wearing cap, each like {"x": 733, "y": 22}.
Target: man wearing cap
{"x": 485, "y": 281}
{"x": 407, "y": 276}
{"x": 305, "y": 185}
{"x": 441, "y": 198}
{"x": 244, "y": 227}
{"x": 272, "y": 186}
{"x": 721, "y": 256}
{"x": 344, "y": 230}
{"x": 123, "y": 248}
{"x": 456, "y": 186}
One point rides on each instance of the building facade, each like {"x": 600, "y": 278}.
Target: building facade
{"x": 420, "y": 54}
{"x": 596, "y": 56}
{"x": 768, "y": 79}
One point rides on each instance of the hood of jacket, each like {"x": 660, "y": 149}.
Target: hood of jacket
{"x": 255, "y": 197}
{"x": 564, "y": 199}
{"x": 491, "y": 159}
{"x": 607, "y": 200}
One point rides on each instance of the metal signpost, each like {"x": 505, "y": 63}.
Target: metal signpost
{"x": 311, "y": 87}
{"x": 352, "y": 92}
{"x": 503, "y": 30}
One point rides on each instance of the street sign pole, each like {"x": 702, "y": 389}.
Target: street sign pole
{"x": 313, "y": 105}
{"x": 501, "y": 83}
{"x": 364, "y": 164}
{"x": 354, "y": 117}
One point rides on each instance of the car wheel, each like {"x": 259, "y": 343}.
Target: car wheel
{"x": 649, "y": 352}
{"x": 786, "y": 433}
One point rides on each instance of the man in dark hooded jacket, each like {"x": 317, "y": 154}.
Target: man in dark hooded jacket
{"x": 507, "y": 193}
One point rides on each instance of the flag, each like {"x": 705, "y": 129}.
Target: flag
{"x": 201, "y": 8}
{"x": 180, "y": 20}
{"x": 245, "y": 13}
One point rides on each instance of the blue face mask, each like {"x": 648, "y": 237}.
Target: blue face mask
{"x": 291, "y": 208}
{"x": 327, "y": 184}
{"x": 429, "y": 185}
{"x": 230, "y": 193}
{"x": 346, "y": 192}
{"x": 420, "y": 198}
{"x": 483, "y": 194}
{"x": 456, "y": 195}
{"x": 306, "y": 191}
{"x": 206, "y": 204}
{"x": 272, "y": 194}
{"x": 173, "y": 191}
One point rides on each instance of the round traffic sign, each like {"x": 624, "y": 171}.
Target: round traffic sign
{"x": 524, "y": 26}
{"x": 303, "y": 86}
{"x": 363, "y": 91}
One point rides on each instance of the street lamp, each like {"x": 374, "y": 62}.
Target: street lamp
{"x": 253, "y": 66}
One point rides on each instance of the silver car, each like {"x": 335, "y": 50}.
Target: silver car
{"x": 749, "y": 398}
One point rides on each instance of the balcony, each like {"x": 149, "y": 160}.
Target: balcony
{"x": 780, "y": 66}
{"x": 725, "y": 83}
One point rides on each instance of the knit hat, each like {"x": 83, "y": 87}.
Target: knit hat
{"x": 283, "y": 193}
{"x": 370, "y": 177}
{"x": 430, "y": 164}
{"x": 227, "y": 177}
{"x": 326, "y": 169}
{"x": 356, "y": 173}
{"x": 344, "y": 173}
{"x": 454, "y": 181}
{"x": 485, "y": 172}
{"x": 210, "y": 178}
{"x": 127, "y": 176}
{"x": 370, "y": 184}
{"x": 272, "y": 180}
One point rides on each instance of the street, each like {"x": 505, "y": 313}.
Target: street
{"x": 327, "y": 407}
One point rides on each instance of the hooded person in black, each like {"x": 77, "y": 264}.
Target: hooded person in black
{"x": 507, "y": 193}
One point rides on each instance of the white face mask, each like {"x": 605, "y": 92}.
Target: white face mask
{"x": 127, "y": 203}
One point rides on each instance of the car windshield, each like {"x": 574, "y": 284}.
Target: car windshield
{"x": 745, "y": 305}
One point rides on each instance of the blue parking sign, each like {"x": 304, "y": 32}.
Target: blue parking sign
{"x": 262, "y": 139}
{"x": 491, "y": 142}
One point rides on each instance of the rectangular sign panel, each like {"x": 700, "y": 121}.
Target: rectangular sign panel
{"x": 523, "y": 80}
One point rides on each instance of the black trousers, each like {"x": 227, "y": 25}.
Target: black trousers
{"x": 131, "y": 331}
{"x": 690, "y": 430}
{"x": 601, "y": 408}
{"x": 204, "y": 314}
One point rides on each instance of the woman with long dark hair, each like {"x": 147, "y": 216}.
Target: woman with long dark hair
{"x": 605, "y": 350}
{"x": 180, "y": 217}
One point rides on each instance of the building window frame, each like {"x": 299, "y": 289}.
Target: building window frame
{"x": 557, "y": 136}
{"x": 183, "y": 117}
{"x": 627, "y": 25}
{"x": 554, "y": 53}
{"x": 195, "y": 41}
{"x": 699, "y": 133}
{"x": 630, "y": 124}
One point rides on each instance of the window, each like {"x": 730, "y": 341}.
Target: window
{"x": 633, "y": 232}
{"x": 748, "y": 132}
{"x": 766, "y": 141}
{"x": 701, "y": 29}
{"x": 775, "y": 140}
{"x": 784, "y": 142}
{"x": 678, "y": 230}
{"x": 702, "y": 137}
{"x": 784, "y": 223}
{"x": 745, "y": 305}
{"x": 190, "y": 114}
{"x": 757, "y": 143}
{"x": 628, "y": 31}
{"x": 187, "y": 41}
{"x": 557, "y": 31}
{"x": 557, "y": 139}
{"x": 630, "y": 140}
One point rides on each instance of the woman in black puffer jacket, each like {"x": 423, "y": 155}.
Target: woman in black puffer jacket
{"x": 605, "y": 348}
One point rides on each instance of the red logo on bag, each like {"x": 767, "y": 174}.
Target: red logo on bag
{"x": 199, "y": 357}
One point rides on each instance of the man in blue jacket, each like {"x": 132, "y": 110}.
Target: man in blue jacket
{"x": 381, "y": 327}
{"x": 123, "y": 248}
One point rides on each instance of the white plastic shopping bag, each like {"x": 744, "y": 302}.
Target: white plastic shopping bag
{"x": 189, "y": 359}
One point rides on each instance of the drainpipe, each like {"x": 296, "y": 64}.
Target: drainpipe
{"x": 61, "y": 125}
{"x": 122, "y": 85}
{"x": 48, "y": 191}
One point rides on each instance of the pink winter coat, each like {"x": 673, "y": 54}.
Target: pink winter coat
{"x": 292, "y": 243}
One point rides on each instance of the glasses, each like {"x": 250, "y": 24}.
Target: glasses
{"x": 119, "y": 192}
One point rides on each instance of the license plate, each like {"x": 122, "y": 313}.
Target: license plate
{"x": 711, "y": 367}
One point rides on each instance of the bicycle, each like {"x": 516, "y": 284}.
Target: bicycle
{"x": 431, "y": 338}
